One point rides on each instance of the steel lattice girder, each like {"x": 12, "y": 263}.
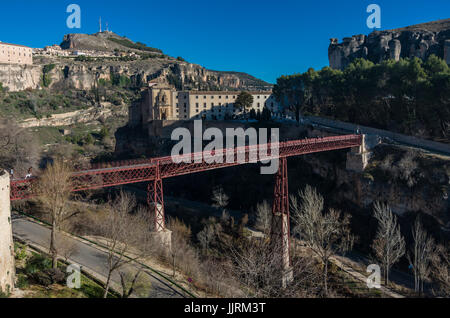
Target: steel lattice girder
{"x": 144, "y": 170}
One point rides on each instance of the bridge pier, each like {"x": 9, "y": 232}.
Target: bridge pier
{"x": 155, "y": 200}
{"x": 358, "y": 158}
{"x": 7, "y": 266}
{"x": 280, "y": 231}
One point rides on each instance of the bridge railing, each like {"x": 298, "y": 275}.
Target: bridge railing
{"x": 144, "y": 170}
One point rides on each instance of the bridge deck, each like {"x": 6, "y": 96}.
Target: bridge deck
{"x": 144, "y": 170}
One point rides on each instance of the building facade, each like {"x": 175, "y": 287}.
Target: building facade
{"x": 15, "y": 54}
{"x": 165, "y": 103}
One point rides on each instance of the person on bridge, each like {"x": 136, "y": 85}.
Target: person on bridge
{"x": 30, "y": 173}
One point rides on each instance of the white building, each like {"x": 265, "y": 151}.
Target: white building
{"x": 15, "y": 54}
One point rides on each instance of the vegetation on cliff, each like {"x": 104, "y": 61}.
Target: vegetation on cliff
{"x": 409, "y": 96}
{"x": 138, "y": 45}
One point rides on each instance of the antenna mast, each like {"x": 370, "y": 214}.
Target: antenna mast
{"x": 100, "y": 24}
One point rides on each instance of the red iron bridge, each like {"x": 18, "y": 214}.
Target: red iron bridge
{"x": 154, "y": 170}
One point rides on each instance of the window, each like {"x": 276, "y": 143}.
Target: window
{"x": 196, "y": 97}
{"x": 196, "y": 105}
{"x": 220, "y": 97}
{"x": 204, "y": 105}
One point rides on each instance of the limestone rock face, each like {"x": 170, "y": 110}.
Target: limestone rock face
{"x": 7, "y": 267}
{"x": 447, "y": 51}
{"x": 20, "y": 77}
{"x": 415, "y": 41}
{"x": 68, "y": 74}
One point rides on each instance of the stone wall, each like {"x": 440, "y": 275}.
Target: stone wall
{"x": 7, "y": 267}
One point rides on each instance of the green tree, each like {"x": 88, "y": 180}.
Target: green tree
{"x": 244, "y": 101}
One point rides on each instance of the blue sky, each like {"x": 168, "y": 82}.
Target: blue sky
{"x": 264, "y": 38}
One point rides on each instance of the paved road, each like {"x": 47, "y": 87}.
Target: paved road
{"x": 86, "y": 255}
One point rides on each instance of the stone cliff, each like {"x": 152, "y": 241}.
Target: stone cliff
{"x": 69, "y": 73}
{"x": 135, "y": 60}
{"x": 420, "y": 41}
{"x": 20, "y": 77}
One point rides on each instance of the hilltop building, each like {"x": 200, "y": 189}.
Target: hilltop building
{"x": 15, "y": 54}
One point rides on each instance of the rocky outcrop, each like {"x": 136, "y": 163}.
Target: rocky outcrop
{"x": 69, "y": 74}
{"x": 98, "y": 42}
{"x": 20, "y": 77}
{"x": 146, "y": 65}
{"x": 419, "y": 41}
{"x": 79, "y": 116}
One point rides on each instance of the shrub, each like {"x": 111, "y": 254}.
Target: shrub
{"x": 102, "y": 82}
{"x": 22, "y": 281}
{"x": 37, "y": 263}
{"x": 137, "y": 45}
{"x": 46, "y": 77}
{"x": 104, "y": 132}
{"x": 20, "y": 252}
{"x": 48, "y": 277}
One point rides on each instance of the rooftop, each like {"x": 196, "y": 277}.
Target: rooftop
{"x": 226, "y": 92}
{"x": 4, "y": 43}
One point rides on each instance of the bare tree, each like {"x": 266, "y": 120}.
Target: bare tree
{"x": 208, "y": 234}
{"x": 220, "y": 198}
{"x": 324, "y": 233}
{"x": 54, "y": 192}
{"x": 134, "y": 283}
{"x": 441, "y": 271}
{"x": 407, "y": 168}
{"x": 256, "y": 265}
{"x": 181, "y": 235}
{"x": 66, "y": 246}
{"x": 263, "y": 217}
{"x": 217, "y": 278}
{"x": 423, "y": 251}
{"x": 18, "y": 151}
{"x": 127, "y": 235}
{"x": 389, "y": 244}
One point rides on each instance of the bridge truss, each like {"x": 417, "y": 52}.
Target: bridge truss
{"x": 154, "y": 170}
